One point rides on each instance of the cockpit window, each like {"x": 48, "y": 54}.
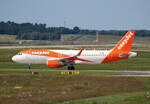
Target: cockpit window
{"x": 19, "y": 54}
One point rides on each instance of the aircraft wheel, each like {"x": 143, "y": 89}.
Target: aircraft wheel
{"x": 69, "y": 67}
{"x": 72, "y": 68}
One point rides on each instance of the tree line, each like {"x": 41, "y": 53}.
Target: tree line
{"x": 29, "y": 31}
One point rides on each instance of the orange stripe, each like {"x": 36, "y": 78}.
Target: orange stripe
{"x": 45, "y": 53}
{"x": 49, "y": 53}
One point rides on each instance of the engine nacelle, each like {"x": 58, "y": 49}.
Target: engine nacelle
{"x": 54, "y": 64}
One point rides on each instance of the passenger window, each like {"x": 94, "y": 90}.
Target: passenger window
{"x": 19, "y": 54}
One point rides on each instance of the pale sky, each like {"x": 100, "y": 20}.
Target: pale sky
{"x": 87, "y": 14}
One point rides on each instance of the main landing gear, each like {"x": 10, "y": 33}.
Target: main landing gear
{"x": 71, "y": 67}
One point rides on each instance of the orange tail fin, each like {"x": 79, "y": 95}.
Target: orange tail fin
{"x": 125, "y": 43}
{"x": 122, "y": 49}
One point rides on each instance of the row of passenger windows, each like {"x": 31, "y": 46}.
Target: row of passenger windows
{"x": 74, "y": 55}
{"x": 93, "y": 55}
{"x": 90, "y": 54}
{"x": 19, "y": 53}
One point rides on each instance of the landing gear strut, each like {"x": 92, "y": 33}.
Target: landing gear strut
{"x": 29, "y": 67}
{"x": 71, "y": 67}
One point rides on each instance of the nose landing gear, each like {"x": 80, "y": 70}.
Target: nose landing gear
{"x": 29, "y": 67}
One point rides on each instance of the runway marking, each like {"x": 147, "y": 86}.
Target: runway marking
{"x": 70, "y": 72}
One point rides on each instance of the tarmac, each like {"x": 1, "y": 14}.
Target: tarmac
{"x": 118, "y": 73}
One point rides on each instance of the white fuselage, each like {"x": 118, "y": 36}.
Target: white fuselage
{"x": 93, "y": 57}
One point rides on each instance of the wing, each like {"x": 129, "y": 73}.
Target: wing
{"x": 72, "y": 58}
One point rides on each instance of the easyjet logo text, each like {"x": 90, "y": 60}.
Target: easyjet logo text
{"x": 40, "y": 53}
{"x": 125, "y": 40}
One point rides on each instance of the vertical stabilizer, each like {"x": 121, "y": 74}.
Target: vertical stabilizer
{"x": 122, "y": 49}
{"x": 125, "y": 43}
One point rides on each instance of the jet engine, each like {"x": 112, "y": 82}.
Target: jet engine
{"x": 54, "y": 64}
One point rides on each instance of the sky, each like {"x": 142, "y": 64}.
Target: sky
{"x": 86, "y": 14}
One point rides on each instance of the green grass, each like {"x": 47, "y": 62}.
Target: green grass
{"x": 145, "y": 81}
{"x": 49, "y": 72}
{"x": 111, "y": 39}
{"x": 12, "y": 65}
{"x": 69, "y": 36}
{"x": 50, "y": 87}
{"x": 135, "y": 98}
{"x": 7, "y": 38}
{"x": 55, "y": 88}
{"x": 128, "y": 98}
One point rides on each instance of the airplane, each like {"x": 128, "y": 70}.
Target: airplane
{"x": 69, "y": 58}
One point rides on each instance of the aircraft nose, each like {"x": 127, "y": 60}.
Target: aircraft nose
{"x": 14, "y": 58}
